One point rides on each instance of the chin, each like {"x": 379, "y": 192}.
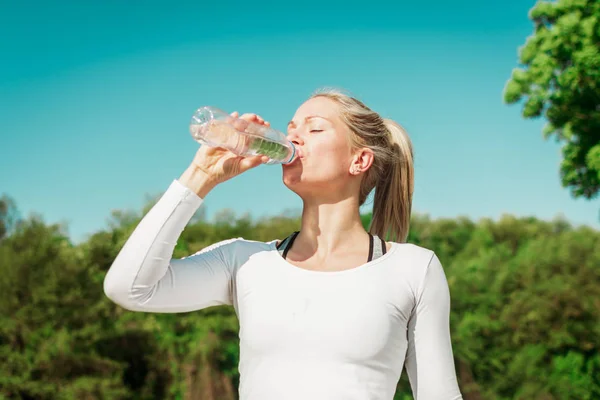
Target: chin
{"x": 302, "y": 183}
{"x": 291, "y": 176}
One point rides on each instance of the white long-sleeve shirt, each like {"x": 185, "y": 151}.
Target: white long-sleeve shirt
{"x": 343, "y": 335}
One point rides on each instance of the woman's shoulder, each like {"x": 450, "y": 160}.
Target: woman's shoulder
{"x": 411, "y": 251}
{"x": 239, "y": 244}
{"x": 413, "y": 257}
{"x": 417, "y": 265}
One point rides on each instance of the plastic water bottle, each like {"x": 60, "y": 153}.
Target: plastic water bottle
{"x": 216, "y": 128}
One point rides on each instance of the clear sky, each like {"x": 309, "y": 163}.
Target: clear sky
{"x": 96, "y": 97}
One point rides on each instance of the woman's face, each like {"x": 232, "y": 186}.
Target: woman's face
{"x": 324, "y": 154}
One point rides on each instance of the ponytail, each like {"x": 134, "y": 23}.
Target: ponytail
{"x": 391, "y": 174}
{"x": 393, "y": 192}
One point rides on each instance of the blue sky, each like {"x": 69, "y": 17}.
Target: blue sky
{"x": 95, "y": 100}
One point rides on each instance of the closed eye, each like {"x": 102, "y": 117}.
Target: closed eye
{"x": 316, "y": 130}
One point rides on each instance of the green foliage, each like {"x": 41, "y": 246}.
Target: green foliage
{"x": 8, "y": 215}
{"x": 525, "y": 313}
{"x": 51, "y": 315}
{"x": 560, "y": 80}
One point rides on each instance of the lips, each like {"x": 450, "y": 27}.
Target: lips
{"x": 296, "y": 158}
{"x": 299, "y": 153}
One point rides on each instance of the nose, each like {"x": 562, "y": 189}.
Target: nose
{"x": 295, "y": 138}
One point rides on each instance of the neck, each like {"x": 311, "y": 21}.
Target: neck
{"x": 328, "y": 227}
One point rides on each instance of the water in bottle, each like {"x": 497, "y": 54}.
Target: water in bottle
{"x": 214, "y": 127}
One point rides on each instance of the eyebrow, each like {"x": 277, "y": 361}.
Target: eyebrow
{"x": 309, "y": 118}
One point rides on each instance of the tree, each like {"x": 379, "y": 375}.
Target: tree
{"x": 49, "y": 320}
{"x": 560, "y": 80}
{"x": 8, "y": 215}
{"x": 525, "y": 314}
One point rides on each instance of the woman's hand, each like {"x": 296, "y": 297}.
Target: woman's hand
{"x": 214, "y": 165}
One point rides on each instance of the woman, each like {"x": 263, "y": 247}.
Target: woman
{"x": 331, "y": 312}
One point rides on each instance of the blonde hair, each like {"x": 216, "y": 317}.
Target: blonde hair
{"x": 392, "y": 171}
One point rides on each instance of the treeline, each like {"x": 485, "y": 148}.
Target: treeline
{"x": 525, "y": 312}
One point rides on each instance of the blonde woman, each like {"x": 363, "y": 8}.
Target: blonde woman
{"x": 332, "y": 311}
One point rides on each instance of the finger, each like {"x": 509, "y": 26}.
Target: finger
{"x": 255, "y": 118}
{"x": 241, "y": 124}
{"x": 249, "y": 117}
{"x": 262, "y": 121}
{"x": 235, "y": 114}
{"x": 250, "y": 162}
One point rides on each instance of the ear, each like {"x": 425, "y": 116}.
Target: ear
{"x": 361, "y": 161}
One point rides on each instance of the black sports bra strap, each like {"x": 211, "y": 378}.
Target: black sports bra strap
{"x": 377, "y": 248}
{"x": 285, "y": 245}
{"x": 371, "y": 245}
{"x": 289, "y": 245}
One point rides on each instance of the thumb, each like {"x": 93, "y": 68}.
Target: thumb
{"x": 250, "y": 162}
